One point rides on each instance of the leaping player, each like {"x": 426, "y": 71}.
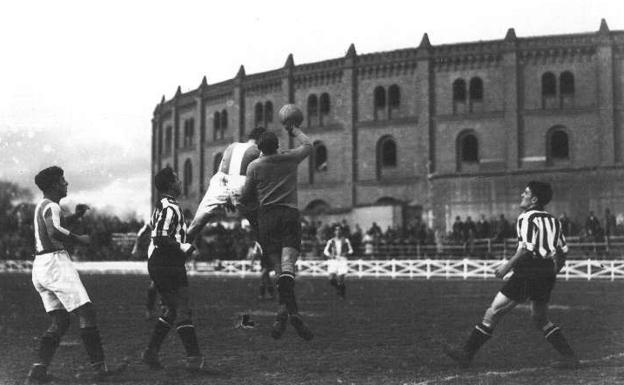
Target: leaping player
{"x": 225, "y": 186}
{"x": 57, "y": 281}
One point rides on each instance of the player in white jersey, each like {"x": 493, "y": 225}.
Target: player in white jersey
{"x": 336, "y": 250}
{"x": 225, "y": 186}
{"x": 56, "y": 279}
{"x": 540, "y": 256}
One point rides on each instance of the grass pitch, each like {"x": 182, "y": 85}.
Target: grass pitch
{"x": 385, "y": 332}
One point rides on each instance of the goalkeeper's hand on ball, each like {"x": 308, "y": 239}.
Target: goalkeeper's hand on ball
{"x": 289, "y": 126}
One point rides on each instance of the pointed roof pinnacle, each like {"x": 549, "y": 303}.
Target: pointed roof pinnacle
{"x": 351, "y": 52}
{"x": 204, "y": 82}
{"x": 162, "y": 100}
{"x": 241, "y": 72}
{"x": 424, "y": 42}
{"x": 604, "y": 28}
{"x": 290, "y": 62}
{"x": 510, "y": 35}
{"x": 178, "y": 91}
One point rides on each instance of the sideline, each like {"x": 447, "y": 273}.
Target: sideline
{"x": 508, "y": 373}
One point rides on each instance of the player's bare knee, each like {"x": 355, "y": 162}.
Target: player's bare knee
{"x": 492, "y": 316}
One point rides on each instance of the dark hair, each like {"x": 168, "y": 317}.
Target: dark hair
{"x": 256, "y": 133}
{"x": 164, "y": 179}
{"x": 542, "y": 191}
{"x": 268, "y": 143}
{"x": 47, "y": 177}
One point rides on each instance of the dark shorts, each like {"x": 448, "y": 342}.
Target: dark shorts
{"x": 278, "y": 227}
{"x": 532, "y": 281}
{"x": 167, "y": 279}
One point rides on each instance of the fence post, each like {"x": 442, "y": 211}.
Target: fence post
{"x": 465, "y": 268}
{"x": 393, "y": 265}
{"x": 360, "y": 268}
{"x": 612, "y": 270}
{"x": 428, "y": 264}
{"x": 589, "y": 269}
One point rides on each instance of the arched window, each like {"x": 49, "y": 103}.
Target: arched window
{"x": 476, "y": 89}
{"x": 224, "y": 122}
{"x": 549, "y": 84}
{"x": 324, "y": 104}
{"x": 268, "y": 112}
{"x": 259, "y": 114}
{"x": 216, "y": 162}
{"x": 320, "y": 156}
{"x": 317, "y": 206}
{"x": 380, "y": 100}
{"x": 459, "y": 91}
{"x": 394, "y": 96}
{"x": 566, "y": 83}
{"x": 558, "y": 144}
{"x": 467, "y": 147}
{"x": 386, "y": 154}
{"x": 168, "y": 139}
{"x": 188, "y": 177}
{"x": 312, "y": 110}
{"x": 216, "y": 124}
{"x": 459, "y": 96}
{"x": 189, "y": 132}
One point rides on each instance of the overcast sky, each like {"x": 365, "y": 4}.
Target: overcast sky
{"x": 79, "y": 80}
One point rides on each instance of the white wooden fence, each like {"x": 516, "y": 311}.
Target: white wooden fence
{"x": 411, "y": 268}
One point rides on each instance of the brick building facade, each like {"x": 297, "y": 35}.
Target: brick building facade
{"x": 445, "y": 130}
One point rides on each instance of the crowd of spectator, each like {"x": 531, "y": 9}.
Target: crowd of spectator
{"x": 232, "y": 241}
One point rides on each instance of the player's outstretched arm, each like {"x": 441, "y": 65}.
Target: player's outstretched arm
{"x": 52, "y": 219}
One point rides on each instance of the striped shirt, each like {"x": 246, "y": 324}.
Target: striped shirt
{"x": 237, "y": 157}
{"x": 338, "y": 247}
{"x": 43, "y": 238}
{"x": 167, "y": 221}
{"x": 541, "y": 233}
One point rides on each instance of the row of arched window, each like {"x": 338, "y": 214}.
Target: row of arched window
{"x": 557, "y": 97}
{"x": 318, "y": 109}
{"x": 467, "y": 146}
{"x": 471, "y": 94}
{"x": 557, "y": 146}
{"x": 385, "y": 102}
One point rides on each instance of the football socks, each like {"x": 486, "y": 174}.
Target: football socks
{"x": 161, "y": 329}
{"x": 186, "y": 331}
{"x": 479, "y": 336}
{"x": 93, "y": 343}
{"x": 286, "y": 290}
{"x": 553, "y": 334}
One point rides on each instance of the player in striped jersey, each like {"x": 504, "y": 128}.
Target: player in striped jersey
{"x": 167, "y": 254}
{"x": 540, "y": 256}
{"x": 57, "y": 281}
{"x": 336, "y": 250}
{"x": 225, "y": 186}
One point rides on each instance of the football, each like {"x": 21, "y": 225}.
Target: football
{"x": 290, "y": 113}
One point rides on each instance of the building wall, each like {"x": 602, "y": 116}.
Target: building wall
{"x": 511, "y": 123}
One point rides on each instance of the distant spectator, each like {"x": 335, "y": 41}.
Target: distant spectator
{"x": 483, "y": 228}
{"x": 369, "y": 245}
{"x": 356, "y": 240}
{"x": 470, "y": 230}
{"x": 610, "y": 223}
{"x": 592, "y": 227}
{"x": 566, "y": 225}
{"x": 458, "y": 230}
{"x": 375, "y": 230}
{"x": 503, "y": 229}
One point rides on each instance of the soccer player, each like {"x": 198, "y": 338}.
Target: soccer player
{"x": 336, "y": 250}
{"x": 166, "y": 265}
{"x": 225, "y": 186}
{"x": 540, "y": 256}
{"x": 139, "y": 251}
{"x": 272, "y": 182}
{"x": 57, "y": 281}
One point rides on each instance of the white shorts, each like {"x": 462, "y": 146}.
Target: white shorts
{"x": 56, "y": 279}
{"x": 337, "y": 266}
{"x": 222, "y": 188}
